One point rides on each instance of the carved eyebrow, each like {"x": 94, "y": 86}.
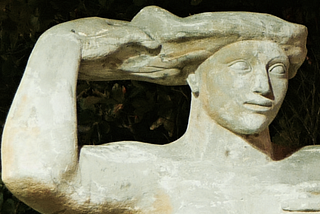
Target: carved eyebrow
{"x": 279, "y": 59}
{"x": 232, "y": 59}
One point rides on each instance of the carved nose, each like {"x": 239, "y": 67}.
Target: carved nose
{"x": 261, "y": 84}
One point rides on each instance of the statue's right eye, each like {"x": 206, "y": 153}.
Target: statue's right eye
{"x": 240, "y": 66}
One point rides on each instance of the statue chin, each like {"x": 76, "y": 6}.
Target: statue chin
{"x": 251, "y": 124}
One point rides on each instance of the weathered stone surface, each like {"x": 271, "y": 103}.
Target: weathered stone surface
{"x": 237, "y": 65}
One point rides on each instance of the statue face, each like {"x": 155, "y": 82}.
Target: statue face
{"x": 242, "y": 85}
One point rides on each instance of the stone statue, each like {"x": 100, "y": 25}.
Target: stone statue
{"x": 237, "y": 65}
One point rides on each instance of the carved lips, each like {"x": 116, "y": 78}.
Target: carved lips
{"x": 258, "y": 105}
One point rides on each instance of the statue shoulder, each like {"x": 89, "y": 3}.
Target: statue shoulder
{"x": 308, "y": 155}
{"x": 122, "y": 152}
{"x": 126, "y": 172}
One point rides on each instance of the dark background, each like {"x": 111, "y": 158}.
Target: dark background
{"x": 130, "y": 110}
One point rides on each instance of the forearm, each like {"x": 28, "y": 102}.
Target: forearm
{"x": 39, "y": 146}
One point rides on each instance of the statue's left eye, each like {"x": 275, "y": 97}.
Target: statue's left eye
{"x": 241, "y": 66}
{"x": 277, "y": 69}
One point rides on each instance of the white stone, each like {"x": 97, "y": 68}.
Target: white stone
{"x": 237, "y": 65}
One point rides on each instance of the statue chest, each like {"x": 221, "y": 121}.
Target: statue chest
{"x": 186, "y": 187}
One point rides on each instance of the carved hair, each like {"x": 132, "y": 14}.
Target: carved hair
{"x": 184, "y": 43}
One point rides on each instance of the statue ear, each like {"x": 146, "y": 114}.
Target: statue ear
{"x": 193, "y": 83}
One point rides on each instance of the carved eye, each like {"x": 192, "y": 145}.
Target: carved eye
{"x": 277, "y": 69}
{"x": 241, "y": 66}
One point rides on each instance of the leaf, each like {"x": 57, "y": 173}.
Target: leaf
{"x": 83, "y": 128}
{"x": 157, "y": 123}
{"x": 89, "y": 102}
{"x": 112, "y": 113}
{"x": 118, "y": 92}
{"x": 117, "y": 108}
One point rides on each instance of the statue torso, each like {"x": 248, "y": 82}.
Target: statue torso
{"x": 149, "y": 181}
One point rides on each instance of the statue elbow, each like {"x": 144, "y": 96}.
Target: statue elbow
{"x": 41, "y": 195}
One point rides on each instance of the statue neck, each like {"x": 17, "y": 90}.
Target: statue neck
{"x": 205, "y": 139}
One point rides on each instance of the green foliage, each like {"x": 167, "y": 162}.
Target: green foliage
{"x": 129, "y": 110}
{"x": 297, "y": 123}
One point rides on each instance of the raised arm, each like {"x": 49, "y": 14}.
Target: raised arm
{"x": 39, "y": 145}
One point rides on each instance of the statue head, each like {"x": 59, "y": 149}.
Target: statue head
{"x": 242, "y": 85}
{"x": 238, "y": 63}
